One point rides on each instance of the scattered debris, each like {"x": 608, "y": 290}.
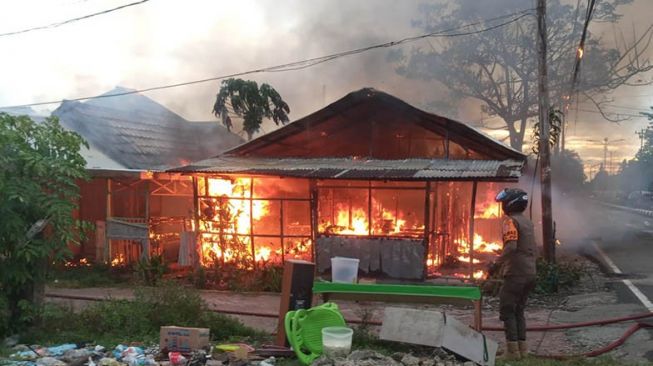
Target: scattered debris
{"x": 235, "y": 354}
{"x": 373, "y": 358}
{"x": 437, "y": 329}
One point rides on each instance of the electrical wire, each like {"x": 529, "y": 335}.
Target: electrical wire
{"x": 59, "y": 24}
{"x": 581, "y": 45}
{"x": 617, "y": 114}
{"x": 298, "y": 65}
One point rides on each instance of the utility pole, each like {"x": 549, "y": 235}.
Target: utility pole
{"x": 548, "y": 241}
{"x": 642, "y": 135}
{"x": 605, "y": 152}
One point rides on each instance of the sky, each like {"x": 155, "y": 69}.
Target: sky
{"x": 167, "y": 41}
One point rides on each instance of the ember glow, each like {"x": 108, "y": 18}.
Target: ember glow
{"x": 119, "y": 260}
{"x": 83, "y": 262}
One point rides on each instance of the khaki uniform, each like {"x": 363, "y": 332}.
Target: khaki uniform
{"x": 518, "y": 268}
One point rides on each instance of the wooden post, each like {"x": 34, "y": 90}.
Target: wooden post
{"x": 281, "y": 231}
{"x": 145, "y": 247}
{"x": 196, "y": 260}
{"x": 427, "y": 226}
{"x": 545, "y": 155}
{"x": 251, "y": 221}
{"x": 472, "y": 212}
{"x": 478, "y": 315}
{"x": 106, "y": 257}
{"x": 369, "y": 208}
{"x": 314, "y": 223}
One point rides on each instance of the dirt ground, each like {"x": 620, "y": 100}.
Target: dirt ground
{"x": 595, "y": 298}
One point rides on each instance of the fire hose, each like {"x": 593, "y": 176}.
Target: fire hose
{"x": 538, "y": 328}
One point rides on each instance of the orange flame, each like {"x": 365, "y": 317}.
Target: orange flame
{"x": 355, "y": 221}
{"x": 119, "y": 260}
{"x": 489, "y": 210}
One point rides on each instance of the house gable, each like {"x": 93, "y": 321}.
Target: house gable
{"x": 369, "y": 123}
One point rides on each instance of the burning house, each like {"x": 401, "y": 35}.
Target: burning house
{"x": 137, "y": 208}
{"x": 407, "y": 192}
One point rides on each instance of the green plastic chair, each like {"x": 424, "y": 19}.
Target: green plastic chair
{"x": 304, "y": 329}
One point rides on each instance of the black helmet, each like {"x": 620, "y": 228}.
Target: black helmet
{"x": 512, "y": 200}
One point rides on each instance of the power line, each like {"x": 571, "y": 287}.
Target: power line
{"x": 626, "y": 107}
{"x": 616, "y": 113}
{"x": 298, "y": 65}
{"x": 59, "y": 24}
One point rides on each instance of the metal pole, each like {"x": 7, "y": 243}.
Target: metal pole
{"x": 427, "y": 226}
{"x": 545, "y": 155}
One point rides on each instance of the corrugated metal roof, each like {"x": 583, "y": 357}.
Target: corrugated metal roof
{"x": 350, "y": 168}
{"x": 138, "y": 133}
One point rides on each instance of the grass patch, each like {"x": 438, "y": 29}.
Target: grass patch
{"x": 89, "y": 276}
{"x": 113, "y": 322}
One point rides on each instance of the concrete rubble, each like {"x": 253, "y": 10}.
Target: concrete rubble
{"x": 439, "y": 357}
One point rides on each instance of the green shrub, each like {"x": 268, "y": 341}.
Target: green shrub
{"x": 552, "y": 277}
{"x": 151, "y": 270}
{"x": 118, "y": 321}
{"x": 270, "y": 277}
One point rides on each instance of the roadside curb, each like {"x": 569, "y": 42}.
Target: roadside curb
{"x": 629, "y": 209}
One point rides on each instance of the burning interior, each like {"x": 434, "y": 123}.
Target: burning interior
{"x": 260, "y": 220}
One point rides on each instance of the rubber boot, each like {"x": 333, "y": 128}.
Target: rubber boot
{"x": 523, "y": 349}
{"x": 512, "y": 352}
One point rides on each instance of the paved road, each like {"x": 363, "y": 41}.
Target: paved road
{"x": 626, "y": 239}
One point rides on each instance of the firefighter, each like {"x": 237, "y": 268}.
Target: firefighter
{"x": 517, "y": 266}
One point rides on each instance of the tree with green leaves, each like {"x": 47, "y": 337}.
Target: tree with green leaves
{"x": 246, "y": 100}
{"x": 497, "y": 67}
{"x": 40, "y": 165}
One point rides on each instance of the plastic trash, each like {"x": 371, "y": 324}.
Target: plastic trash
{"x": 176, "y": 358}
{"x": 61, "y": 349}
{"x": 49, "y": 361}
{"x": 117, "y": 352}
{"x": 122, "y": 352}
{"x": 268, "y": 362}
{"x": 26, "y": 355}
{"x": 76, "y": 357}
{"x": 106, "y": 361}
{"x": 90, "y": 362}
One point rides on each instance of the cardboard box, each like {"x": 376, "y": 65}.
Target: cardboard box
{"x": 183, "y": 339}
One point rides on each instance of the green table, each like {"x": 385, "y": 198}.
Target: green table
{"x": 403, "y": 293}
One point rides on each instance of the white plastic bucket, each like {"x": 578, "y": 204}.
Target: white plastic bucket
{"x": 344, "y": 270}
{"x": 336, "y": 341}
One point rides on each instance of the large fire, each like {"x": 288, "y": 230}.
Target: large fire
{"x": 237, "y": 224}
{"x": 354, "y": 221}
{"x": 227, "y": 221}
{"x": 489, "y": 210}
